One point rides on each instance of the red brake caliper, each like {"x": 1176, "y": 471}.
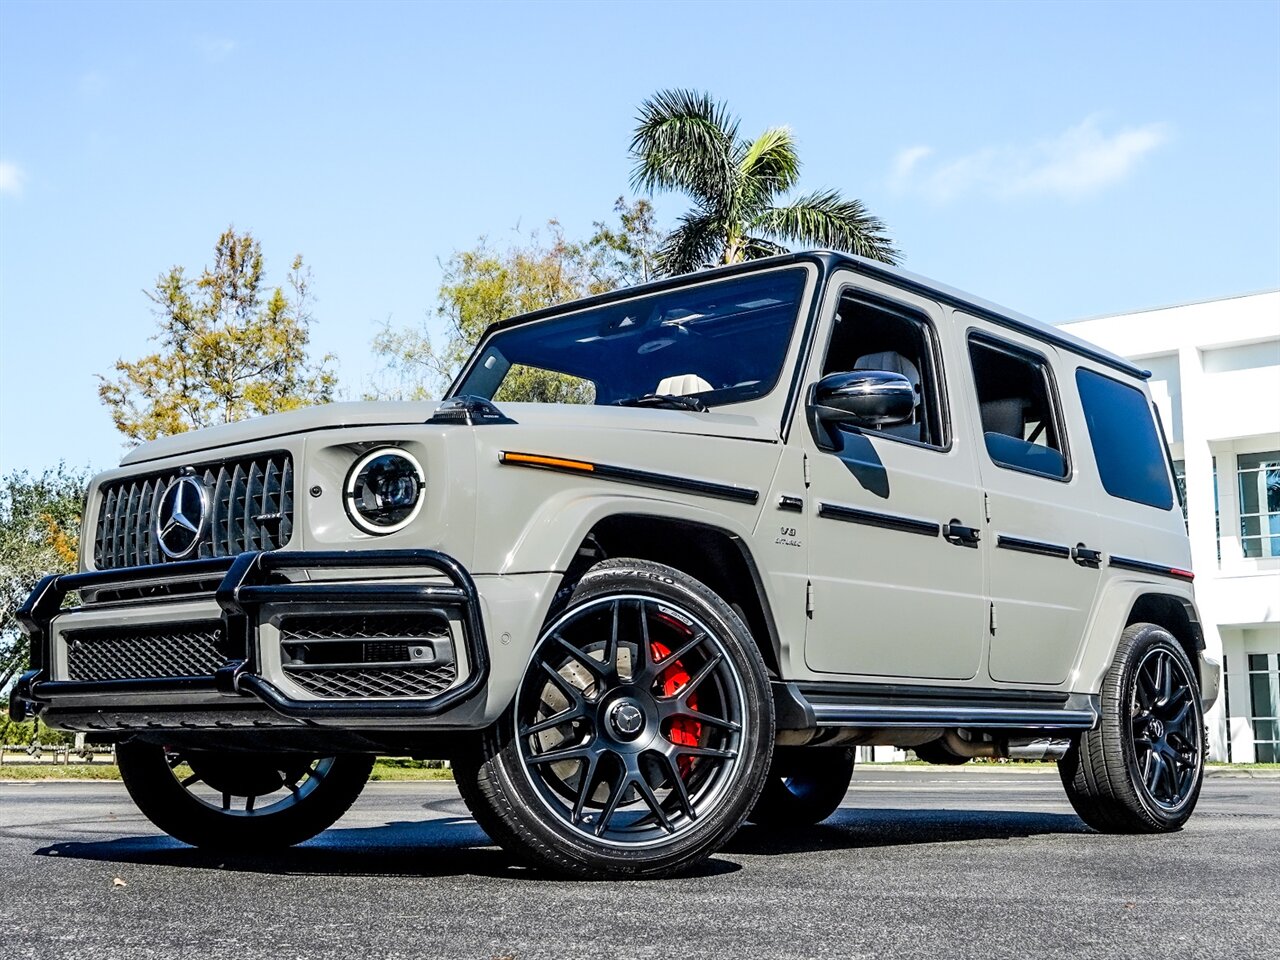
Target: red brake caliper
{"x": 685, "y": 731}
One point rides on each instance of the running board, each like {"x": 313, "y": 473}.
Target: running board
{"x": 804, "y": 706}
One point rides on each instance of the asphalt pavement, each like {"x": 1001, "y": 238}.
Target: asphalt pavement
{"x": 917, "y": 863}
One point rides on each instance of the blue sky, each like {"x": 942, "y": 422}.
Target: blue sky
{"x": 1067, "y": 160}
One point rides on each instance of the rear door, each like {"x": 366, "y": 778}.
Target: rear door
{"x": 1041, "y": 521}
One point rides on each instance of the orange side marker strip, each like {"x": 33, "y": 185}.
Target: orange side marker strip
{"x": 539, "y": 461}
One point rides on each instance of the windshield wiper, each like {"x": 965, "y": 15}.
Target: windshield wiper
{"x": 668, "y": 401}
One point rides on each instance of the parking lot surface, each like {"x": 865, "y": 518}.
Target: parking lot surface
{"x": 917, "y": 863}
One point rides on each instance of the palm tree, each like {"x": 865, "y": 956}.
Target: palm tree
{"x": 686, "y": 141}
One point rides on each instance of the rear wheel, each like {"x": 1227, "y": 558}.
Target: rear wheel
{"x": 639, "y": 737}
{"x": 805, "y": 786}
{"x": 241, "y": 802}
{"x": 1141, "y": 769}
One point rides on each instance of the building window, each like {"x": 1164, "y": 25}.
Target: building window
{"x": 1180, "y": 478}
{"x": 1259, "y": 475}
{"x": 1264, "y": 706}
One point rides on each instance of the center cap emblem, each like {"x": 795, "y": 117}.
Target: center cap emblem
{"x": 1155, "y": 729}
{"x": 180, "y": 519}
{"x": 627, "y": 718}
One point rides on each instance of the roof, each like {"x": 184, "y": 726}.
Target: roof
{"x": 828, "y": 260}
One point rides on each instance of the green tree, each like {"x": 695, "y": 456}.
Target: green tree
{"x": 486, "y": 284}
{"x": 687, "y": 142}
{"x": 230, "y": 347}
{"x": 39, "y": 534}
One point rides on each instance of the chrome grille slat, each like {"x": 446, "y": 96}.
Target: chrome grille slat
{"x": 239, "y": 491}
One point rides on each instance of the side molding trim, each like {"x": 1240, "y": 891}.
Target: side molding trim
{"x": 643, "y": 478}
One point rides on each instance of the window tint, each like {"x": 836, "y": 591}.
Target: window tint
{"x": 1019, "y": 423}
{"x": 874, "y": 336}
{"x": 1122, "y": 430}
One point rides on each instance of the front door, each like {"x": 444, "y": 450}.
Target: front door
{"x": 896, "y": 574}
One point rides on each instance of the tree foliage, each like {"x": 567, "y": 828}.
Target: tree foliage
{"x": 229, "y": 347}
{"x": 489, "y": 283}
{"x": 687, "y": 142}
{"x": 39, "y": 534}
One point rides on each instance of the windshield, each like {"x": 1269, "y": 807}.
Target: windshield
{"x": 694, "y": 347}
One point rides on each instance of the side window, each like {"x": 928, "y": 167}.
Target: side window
{"x": 1122, "y": 430}
{"x": 873, "y": 336}
{"x": 1015, "y": 402}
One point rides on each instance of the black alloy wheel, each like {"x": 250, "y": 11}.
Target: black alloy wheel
{"x": 1140, "y": 769}
{"x": 638, "y": 738}
{"x": 240, "y": 801}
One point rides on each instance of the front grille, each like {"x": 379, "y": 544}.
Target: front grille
{"x": 250, "y": 507}
{"x": 124, "y": 653}
{"x": 396, "y": 655}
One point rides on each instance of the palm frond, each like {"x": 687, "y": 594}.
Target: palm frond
{"x": 768, "y": 166}
{"x": 697, "y": 240}
{"x": 684, "y": 141}
{"x": 757, "y": 248}
{"x": 826, "y": 219}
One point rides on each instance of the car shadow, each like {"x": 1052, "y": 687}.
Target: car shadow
{"x": 456, "y": 846}
{"x": 853, "y": 829}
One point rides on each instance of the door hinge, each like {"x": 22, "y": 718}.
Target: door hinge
{"x": 805, "y": 458}
{"x": 986, "y": 506}
{"x": 993, "y": 618}
{"x": 808, "y": 599}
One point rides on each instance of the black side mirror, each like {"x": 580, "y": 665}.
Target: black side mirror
{"x": 863, "y": 398}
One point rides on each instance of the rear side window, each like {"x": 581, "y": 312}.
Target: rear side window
{"x": 1015, "y": 401}
{"x": 1127, "y": 448}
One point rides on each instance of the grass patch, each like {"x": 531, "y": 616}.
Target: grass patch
{"x": 59, "y": 771}
{"x": 396, "y": 768}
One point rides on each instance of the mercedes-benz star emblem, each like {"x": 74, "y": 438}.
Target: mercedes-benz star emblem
{"x": 180, "y": 519}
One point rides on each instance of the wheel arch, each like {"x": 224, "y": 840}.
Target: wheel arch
{"x": 709, "y": 553}
{"x": 1126, "y": 602}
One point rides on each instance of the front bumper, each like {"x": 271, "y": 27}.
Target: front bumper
{"x": 252, "y": 589}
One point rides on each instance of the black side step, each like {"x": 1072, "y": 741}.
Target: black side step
{"x": 801, "y": 705}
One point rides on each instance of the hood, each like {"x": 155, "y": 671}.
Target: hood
{"x": 743, "y": 426}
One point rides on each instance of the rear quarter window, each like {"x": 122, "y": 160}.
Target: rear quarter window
{"x": 1126, "y": 447}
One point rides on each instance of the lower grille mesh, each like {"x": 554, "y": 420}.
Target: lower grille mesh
{"x": 369, "y": 655}
{"x": 172, "y": 650}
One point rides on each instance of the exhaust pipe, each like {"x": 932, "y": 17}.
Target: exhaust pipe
{"x": 1015, "y": 748}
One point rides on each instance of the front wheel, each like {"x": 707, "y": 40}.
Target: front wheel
{"x": 1140, "y": 769}
{"x": 639, "y": 737}
{"x": 240, "y": 802}
{"x": 805, "y": 786}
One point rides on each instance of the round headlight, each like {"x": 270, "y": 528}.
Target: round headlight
{"x": 384, "y": 490}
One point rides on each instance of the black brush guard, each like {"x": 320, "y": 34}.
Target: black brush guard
{"x": 246, "y": 585}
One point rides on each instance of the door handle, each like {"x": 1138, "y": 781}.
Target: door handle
{"x": 962, "y": 536}
{"x": 1086, "y": 557}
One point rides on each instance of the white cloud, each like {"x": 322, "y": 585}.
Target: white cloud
{"x": 216, "y": 49}
{"x": 12, "y": 178}
{"x": 1081, "y": 160}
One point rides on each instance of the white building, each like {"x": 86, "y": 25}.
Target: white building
{"x": 1215, "y": 376}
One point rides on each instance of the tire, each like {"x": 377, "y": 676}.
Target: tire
{"x": 805, "y": 786}
{"x": 1140, "y": 770}
{"x": 628, "y": 764}
{"x": 934, "y": 752}
{"x": 215, "y": 806}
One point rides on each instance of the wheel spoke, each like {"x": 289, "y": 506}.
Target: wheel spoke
{"x": 707, "y": 718}
{"x": 586, "y": 784}
{"x": 597, "y": 669}
{"x": 651, "y": 800}
{"x": 575, "y": 712}
{"x": 1176, "y": 722}
{"x": 683, "y": 651}
{"x": 710, "y": 752}
{"x": 248, "y": 803}
{"x": 678, "y": 787}
{"x": 646, "y": 646}
{"x": 616, "y": 794}
{"x": 555, "y": 756}
{"x": 562, "y": 683}
{"x": 194, "y": 778}
{"x": 226, "y": 801}
{"x": 682, "y": 694}
{"x": 1164, "y": 674}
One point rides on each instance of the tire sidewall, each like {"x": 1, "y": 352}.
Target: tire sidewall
{"x": 739, "y": 795}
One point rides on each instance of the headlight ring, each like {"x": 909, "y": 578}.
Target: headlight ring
{"x": 384, "y": 490}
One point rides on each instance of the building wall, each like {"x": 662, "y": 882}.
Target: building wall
{"x": 1215, "y": 378}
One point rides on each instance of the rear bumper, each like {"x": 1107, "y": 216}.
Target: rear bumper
{"x": 252, "y": 588}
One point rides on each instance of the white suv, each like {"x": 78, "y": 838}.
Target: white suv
{"x": 764, "y": 514}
